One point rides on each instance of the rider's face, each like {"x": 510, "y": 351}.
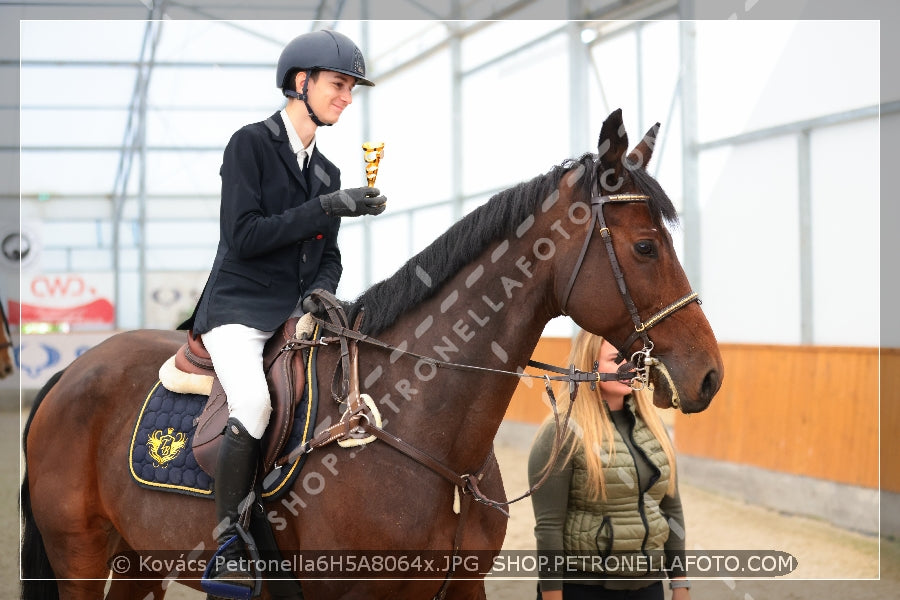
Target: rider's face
{"x": 329, "y": 94}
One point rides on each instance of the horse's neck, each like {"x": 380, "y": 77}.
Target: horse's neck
{"x": 489, "y": 315}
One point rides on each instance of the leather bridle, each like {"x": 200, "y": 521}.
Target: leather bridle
{"x": 640, "y": 361}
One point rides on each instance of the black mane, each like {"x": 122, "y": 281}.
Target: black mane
{"x": 499, "y": 217}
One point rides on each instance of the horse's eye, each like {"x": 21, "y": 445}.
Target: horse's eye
{"x": 645, "y": 248}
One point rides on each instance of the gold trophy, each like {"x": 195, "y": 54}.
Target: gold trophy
{"x": 374, "y": 152}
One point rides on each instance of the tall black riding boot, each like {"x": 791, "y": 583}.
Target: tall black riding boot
{"x": 235, "y": 471}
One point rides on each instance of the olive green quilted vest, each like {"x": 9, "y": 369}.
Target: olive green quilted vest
{"x": 620, "y": 529}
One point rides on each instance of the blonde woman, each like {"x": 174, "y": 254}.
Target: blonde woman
{"x": 608, "y": 518}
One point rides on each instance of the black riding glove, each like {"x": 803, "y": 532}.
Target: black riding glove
{"x": 353, "y": 202}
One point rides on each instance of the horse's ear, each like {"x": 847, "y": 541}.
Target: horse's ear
{"x": 641, "y": 154}
{"x": 611, "y": 147}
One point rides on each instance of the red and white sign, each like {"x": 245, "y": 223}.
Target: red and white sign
{"x": 76, "y": 299}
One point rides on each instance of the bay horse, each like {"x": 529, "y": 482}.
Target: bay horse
{"x": 7, "y": 355}
{"x": 587, "y": 239}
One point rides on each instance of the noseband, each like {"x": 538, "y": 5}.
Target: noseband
{"x": 640, "y": 360}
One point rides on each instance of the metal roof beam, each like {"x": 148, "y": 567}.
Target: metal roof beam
{"x": 796, "y": 127}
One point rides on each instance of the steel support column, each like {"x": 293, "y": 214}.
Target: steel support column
{"x": 804, "y": 206}
{"x": 367, "y": 255}
{"x": 135, "y": 140}
{"x": 456, "y": 117}
{"x": 690, "y": 173}
{"x": 579, "y": 59}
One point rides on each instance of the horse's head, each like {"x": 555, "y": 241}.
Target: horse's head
{"x": 622, "y": 278}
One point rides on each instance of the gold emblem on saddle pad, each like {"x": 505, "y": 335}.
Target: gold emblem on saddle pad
{"x": 163, "y": 447}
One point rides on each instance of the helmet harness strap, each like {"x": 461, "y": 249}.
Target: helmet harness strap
{"x": 303, "y": 95}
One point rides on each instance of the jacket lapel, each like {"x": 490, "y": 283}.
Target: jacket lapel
{"x": 279, "y": 134}
{"x": 317, "y": 174}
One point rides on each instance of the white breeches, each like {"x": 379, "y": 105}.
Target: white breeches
{"x": 236, "y": 352}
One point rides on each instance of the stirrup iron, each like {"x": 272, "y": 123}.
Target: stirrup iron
{"x": 222, "y": 588}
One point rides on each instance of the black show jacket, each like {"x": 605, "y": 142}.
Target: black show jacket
{"x": 276, "y": 244}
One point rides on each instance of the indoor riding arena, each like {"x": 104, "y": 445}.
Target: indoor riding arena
{"x": 778, "y": 127}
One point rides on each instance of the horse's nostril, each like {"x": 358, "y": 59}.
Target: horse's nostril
{"x": 710, "y": 385}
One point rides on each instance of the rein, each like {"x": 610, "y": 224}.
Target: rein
{"x": 356, "y": 422}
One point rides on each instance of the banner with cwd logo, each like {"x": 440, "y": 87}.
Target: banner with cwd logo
{"x": 77, "y": 301}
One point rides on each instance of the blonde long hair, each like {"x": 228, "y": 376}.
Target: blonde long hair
{"x": 592, "y": 424}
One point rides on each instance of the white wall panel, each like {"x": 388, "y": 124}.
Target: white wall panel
{"x": 846, "y": 234}
{"x": 750, "y": 245}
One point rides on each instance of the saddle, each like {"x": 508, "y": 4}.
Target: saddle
{"x": 191, "y": 370}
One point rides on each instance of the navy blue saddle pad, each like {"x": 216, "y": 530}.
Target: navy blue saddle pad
{"x": 160, "y": 453}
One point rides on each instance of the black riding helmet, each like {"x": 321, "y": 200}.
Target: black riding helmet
{"x": 318, "y": 50}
